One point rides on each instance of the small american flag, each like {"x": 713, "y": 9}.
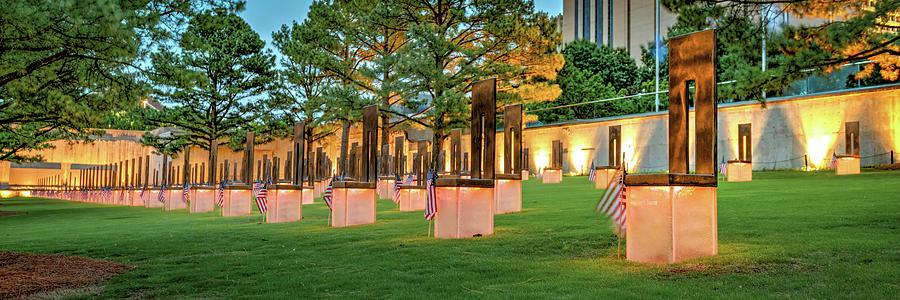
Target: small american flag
{"x": 143, "y": 193}
{"x": 162, "y": 195}
{"x": 592, "y": 175}
{"x": 328, "y": 193}
{"x": 431, "y": 201}
{"x": 220, "y": 195}
{"x": 612, "y": 203}
{"x": 262, "y": 198}
{"x": 255, "y": 189}
{"x": 107, "y": 194}
{"x": 408, "y": 179}
{"x": 833, "y": 160}
{"x": 186, "y": 193}
{"x": 723, "y": 169}
{"x": 397, "y": 188}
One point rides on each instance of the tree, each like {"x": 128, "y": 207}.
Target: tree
{"x": 593, "y": 72}
{"x": 847, "y": 31}
{"x": 134, "y": 117}
{"x": 536, "y": 61}
{"x": 452, "y": 44}
{"x": 218, "y": 67}
{"x": 334, "y": 50}
{"x": 300, "y": 92}
{"x": 63, "y": 64}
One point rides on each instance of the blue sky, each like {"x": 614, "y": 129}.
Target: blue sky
{"x": 266, "y": 16}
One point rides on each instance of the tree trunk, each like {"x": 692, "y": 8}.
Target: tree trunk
{"x": 436, "y": 146}
{"x": 385, "y": 137}
{"x": 213, "y": 157}
{"x": 343, "y": 162}
{"x": 311, "y": 163}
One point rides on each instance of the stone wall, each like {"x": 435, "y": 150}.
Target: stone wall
{"x": 788, "y": 133}
{"x": 782, "y": 133}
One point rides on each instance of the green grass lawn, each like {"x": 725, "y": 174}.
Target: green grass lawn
{"x": 785, "y": 234}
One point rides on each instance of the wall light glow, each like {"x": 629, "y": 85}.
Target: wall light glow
{"x": 541, "y": 161}
{"x": 579, "y": 159}
{"x": 821, "y": 131}
{"x": 630, "y": 158}
{"x": 817, "y": 150}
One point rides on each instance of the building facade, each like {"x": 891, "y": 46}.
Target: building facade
{"x": 625, "y": 24}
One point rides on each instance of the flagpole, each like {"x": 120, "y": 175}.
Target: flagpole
{"x": 619, "y": 247}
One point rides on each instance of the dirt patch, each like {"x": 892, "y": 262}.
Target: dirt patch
{"x": 888, "y": 167}
{"x": 23, "y": 274}
{"x": 8, "y": 213}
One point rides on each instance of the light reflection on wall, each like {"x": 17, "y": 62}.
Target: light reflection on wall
{"x": 630, "y": 156}
{"x": 895, "y": 127}
{"x": 817, "y": 150}
{"x": 541, "y": 160}
{"x": 821, "y": 131}
{"x": 579, "y": 160}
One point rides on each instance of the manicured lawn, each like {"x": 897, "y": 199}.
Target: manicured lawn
{"x": 786, "y": 234}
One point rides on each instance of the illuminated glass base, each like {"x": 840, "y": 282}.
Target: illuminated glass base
{"x": 308, "y": 197}
{"x": 386, "y": 188}
{"x": 284, "y": 205}
{"x": 237, "y": 203}
{"x": 464, "y": 212}
{"x": 740, "y": 171}
{"x": 847, "y": 165}
{"x": 602, "y": 177}
{"x": 552, "y": 176}
{"x": 202, "y": 200}
{"x": 412, "y": 199}
{"x": 152, "y": 201}
{"x": 353, "y": 206}
{"x": 173, "y": 200}
{"x": 507, "y": 196}
{"x": 668, "y": 224}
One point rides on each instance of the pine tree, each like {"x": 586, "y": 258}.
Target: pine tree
{"x": 210, "y": 82}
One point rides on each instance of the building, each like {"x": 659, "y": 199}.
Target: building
{"x": 625, "y": 24}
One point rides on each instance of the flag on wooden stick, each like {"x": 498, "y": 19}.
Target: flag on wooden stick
{"x": 723, "y": 169}
{"x": 262, "y": 198}
{"x": 612, "y": 203}
{"x": 397, "y": 188}
{"x": 592, "y": 173}
{"x": 162, "y": 195}
{"x": 431, "y": 201}
{"x": 408, "y": 179}
{"x": 186, "y": 193}
{"x": 833, "y": 160}
{"x": 143, "y": 194}
{"x": 220, "y": 195}
{"x": 326, "y": 196}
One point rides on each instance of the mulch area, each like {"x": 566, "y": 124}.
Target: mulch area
{"x": 25, "y": 274}
{"x": 888, "y": 167}
{"x": 7, "y": 213}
